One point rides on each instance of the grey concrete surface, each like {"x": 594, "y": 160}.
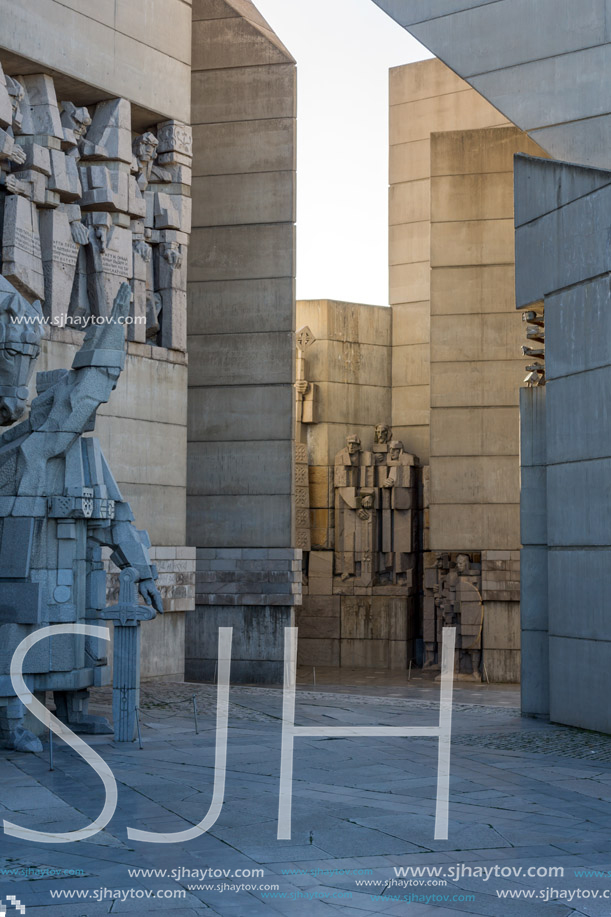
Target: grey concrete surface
{"x": 565, "y": 452}
{"x": 523, "y": 793}
{"x": 547, "y": 78}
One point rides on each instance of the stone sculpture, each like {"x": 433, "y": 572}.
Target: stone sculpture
{"x": 127, "y": 616}
{"x": 305, "y": 407}
{"x": 59, "y": 504}
{"x": 374, "y": 512}
{"x": 352, "y": 472}
{"x": 84, "y": 208}
{"x": 453, "y": 599}
{"x": 395, "y": 483}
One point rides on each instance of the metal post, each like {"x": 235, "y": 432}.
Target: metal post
{"x": 409, "y": 674}
{"x": 195, "y": 715}
{"x": 51, "y": 768}
{"x": 314, "y": 673}
{"x": 138, "y": 727}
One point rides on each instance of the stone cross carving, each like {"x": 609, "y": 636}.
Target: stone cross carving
{"x": 59, "y": 504}
{"x": 305, "y": 391}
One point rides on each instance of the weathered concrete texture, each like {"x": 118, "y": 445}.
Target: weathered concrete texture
{"x": 565, "y": 523}
{"x": 257, "y": 655}
{"x": 242, "y": 147}
{"x": 356, "y": 631}
{"x": 472, "y": 525}
{"x": 261, "y": 519}
{"x": 426, "y": 97}
{"x": 570, "y": 241}
{"x": 579, "y": 671}
{"x": 114, "y": 48}
{"x": 241, "y": 290}
{"x": 221, "y": 459}
{"x": 564, "y": 57}
{"x": 534, "y": 566}
{"x": 228, "y": 414}
{"x": 350, "y": 365}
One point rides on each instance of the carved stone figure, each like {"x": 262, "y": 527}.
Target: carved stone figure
{"x": 395, "y": 482}
{"x": 10, "y": 118}
{"x": 59, "y": 504}
{"x": 375, "y": 512}
{"x": 382, "y": 434}
{"x": 25, "y": 186}
{"x": 453, "y": 599}
{"x": 305, "y": 391}
{"x": 349, "y": 475}
{"x": 83, "y": 209}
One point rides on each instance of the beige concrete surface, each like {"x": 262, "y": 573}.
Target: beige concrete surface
{"x": 425, "y": 97}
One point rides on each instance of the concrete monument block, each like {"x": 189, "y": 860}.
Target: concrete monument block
{"x": 109, "y": 136}
{"x": 6, "y": 110}
{"x": 109, "y": 261}
{"x": 42, "y": 115}
{"x": 59, "y": 258}
{"x": 21, "y": 252}
{"x": 75, "y": 122}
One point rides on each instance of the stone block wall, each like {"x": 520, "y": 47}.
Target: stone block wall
{"x": 241, "y": 310}
{"x": 349, "y": 364}
{"x": 563, "y": 212}
{"x": 425, "y": 97}
{"x": 457, "y": 366}
{"x": 254, "y": 591}
{"x": 113, "y": 52}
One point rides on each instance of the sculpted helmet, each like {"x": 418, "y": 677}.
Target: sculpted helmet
{"x": 21, "y": 331}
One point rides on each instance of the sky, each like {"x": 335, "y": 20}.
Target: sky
{"x": 343, "y": 50}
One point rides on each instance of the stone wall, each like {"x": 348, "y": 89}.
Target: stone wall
{"x": 562, "y": 215}
{"x": 115, "y": 49}
{"x": 457, "y": 343}
{"x": 425, "y": 97}
{"x": 355, "y": 621}
{"x": 241, "y": 318}
{"x": 125, "y": 50}
{"x": 532, "y": 59}
{"x": 349, "y": 365}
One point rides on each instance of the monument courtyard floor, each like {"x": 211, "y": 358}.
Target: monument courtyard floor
{"x": 525, "y": 796}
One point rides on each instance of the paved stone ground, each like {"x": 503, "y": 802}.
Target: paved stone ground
{"x": 523, "y": 794}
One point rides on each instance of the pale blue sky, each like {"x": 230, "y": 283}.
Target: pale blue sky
{"x": 343, "y": 49}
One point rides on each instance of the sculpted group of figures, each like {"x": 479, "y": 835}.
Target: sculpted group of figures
{"x": 59, "y": 505}
{"x": 452, "y": 598}
{"x": 375, "y": 505}
{"x": 85, "y": 206}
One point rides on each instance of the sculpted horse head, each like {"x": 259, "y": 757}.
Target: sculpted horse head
{"x": 21, "y": 331}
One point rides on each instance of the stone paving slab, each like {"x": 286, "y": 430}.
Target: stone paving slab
{"x": 534, "y": 796}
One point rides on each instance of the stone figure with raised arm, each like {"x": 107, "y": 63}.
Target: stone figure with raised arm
{"x": 59, "y": 505}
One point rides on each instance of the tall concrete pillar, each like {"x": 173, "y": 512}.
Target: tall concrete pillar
{"x": 533, "y": 557}
{"x": 241, "y": 341}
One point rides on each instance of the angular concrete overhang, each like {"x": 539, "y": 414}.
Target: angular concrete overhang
{"x": 545, "y": 64}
